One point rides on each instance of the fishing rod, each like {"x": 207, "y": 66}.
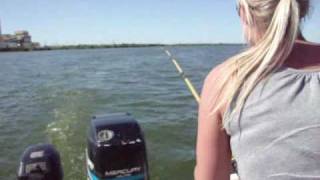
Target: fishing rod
{"x": 190, "y": 86}
{"x": 116, "y": 149}
{"x": 196, "y": 96}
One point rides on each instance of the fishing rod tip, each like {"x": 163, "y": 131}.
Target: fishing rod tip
{"x": 168, "y": 53}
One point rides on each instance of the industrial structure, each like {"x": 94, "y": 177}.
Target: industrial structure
{"x": 20, "y": 40}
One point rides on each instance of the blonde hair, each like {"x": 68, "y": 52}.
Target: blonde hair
{"x": 279, "y": 22}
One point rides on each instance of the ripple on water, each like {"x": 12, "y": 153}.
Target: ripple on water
{"x": 51, "y": 95}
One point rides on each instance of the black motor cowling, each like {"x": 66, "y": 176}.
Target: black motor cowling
{"x": 116, "y": 149}
{"x": 40, "y": 162}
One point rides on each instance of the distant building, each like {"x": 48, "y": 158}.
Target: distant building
{"x": 24, "y": 39}
{"x": 20, "y": 40}
{"x": 9, "y": 41}
{"x": 0, "y": 32}
{"x": 36, "y": 45}
{"x": 3, "y": 45}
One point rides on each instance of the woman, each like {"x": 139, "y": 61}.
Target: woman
{"x": 262, "y": 104}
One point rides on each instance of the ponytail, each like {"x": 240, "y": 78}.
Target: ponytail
{"x": 245, "y": 70}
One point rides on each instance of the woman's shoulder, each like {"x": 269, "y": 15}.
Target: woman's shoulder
{"x": 213, "y": 87}
{"x": 217, "y": 73}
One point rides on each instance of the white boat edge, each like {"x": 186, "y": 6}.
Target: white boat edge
{"x": 234, "y": 177}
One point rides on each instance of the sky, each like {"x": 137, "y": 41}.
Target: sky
{"x": 57, "y": 22}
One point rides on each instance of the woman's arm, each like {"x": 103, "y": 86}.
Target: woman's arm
{"x": 213, "y": 155}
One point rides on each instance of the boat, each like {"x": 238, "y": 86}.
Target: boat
{"x": 116, "y": 150}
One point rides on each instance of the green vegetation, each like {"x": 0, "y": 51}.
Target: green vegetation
{"x": 102, "y": 46}
{"x": 97, "y": 46}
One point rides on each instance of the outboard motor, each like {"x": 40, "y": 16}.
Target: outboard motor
{"x": 40, "y": 162}
{"x": 116, "y": 149}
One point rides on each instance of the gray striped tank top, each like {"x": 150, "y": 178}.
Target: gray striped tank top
{"x": 277, "y": 136}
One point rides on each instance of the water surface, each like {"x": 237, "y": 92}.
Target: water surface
{"x": 49, "y": 96}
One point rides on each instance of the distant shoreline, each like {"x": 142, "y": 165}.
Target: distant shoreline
{"x": 104, "y": 46}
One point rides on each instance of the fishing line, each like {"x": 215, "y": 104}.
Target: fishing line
{"x": 196, "y": 96}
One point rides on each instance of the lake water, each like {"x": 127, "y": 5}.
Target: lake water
{"x": 49, "y": 96}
